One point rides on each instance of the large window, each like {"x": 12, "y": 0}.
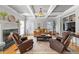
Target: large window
{"x": 30, "y": 27}
{"x": 51, "y": 26}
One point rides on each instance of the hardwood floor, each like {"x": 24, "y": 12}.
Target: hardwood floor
{"x": 10, "y": 50}
{"x": 74, "y": 47}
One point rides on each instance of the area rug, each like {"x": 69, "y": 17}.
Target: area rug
{"x": 42, "y": 47}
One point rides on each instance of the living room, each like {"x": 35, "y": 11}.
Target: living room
{"x": 41, "y": 29}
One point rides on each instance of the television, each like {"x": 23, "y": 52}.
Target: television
{"x": 71, "y": 26}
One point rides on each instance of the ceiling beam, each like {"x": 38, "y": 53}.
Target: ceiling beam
{"x": 31, "y": 10}
{"x": 51, "y": 8}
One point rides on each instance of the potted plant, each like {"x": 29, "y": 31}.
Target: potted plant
{"x": 3, "y": 15}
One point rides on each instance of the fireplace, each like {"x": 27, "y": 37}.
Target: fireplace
{"x": 6, "y": 33}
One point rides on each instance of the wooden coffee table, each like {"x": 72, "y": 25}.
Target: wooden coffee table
{"x": 43, "y": 38}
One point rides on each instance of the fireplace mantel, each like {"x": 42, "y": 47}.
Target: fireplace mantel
{"x": 8, "y": 25}
{"x": 5, "y": 25}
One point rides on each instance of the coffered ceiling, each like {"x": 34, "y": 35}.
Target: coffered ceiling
{"x": 48, "y": 10}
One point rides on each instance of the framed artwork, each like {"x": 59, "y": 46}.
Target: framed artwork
{"x": 11, "y": 18}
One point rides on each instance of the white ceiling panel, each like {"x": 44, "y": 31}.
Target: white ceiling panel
{"x": 20, "y": 8}
{"x": 61, "y": 8}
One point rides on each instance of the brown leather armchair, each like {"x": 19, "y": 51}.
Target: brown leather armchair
{"x": 23, "y": 44}
{"x": 62, "y": 44}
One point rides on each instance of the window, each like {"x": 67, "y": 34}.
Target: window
{"x": 49, "y": 26}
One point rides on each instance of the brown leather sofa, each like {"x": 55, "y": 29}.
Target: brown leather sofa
{"x": 40, "y": 31}
{"x": 60, "y": 44}
{"x": 23, "y": 44}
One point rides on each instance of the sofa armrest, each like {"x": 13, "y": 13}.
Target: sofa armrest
{"x": 26, "y": 43}
{"x": 23, "y": 38}
{"x": 59, "y": 38}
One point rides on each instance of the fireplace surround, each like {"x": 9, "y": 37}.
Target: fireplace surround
{"x": 6, "y": 33}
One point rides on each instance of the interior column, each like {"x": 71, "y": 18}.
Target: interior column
{"x": 25, "y": 18}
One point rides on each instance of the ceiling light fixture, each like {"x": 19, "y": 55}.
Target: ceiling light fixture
{"x": 40, "y": 13}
